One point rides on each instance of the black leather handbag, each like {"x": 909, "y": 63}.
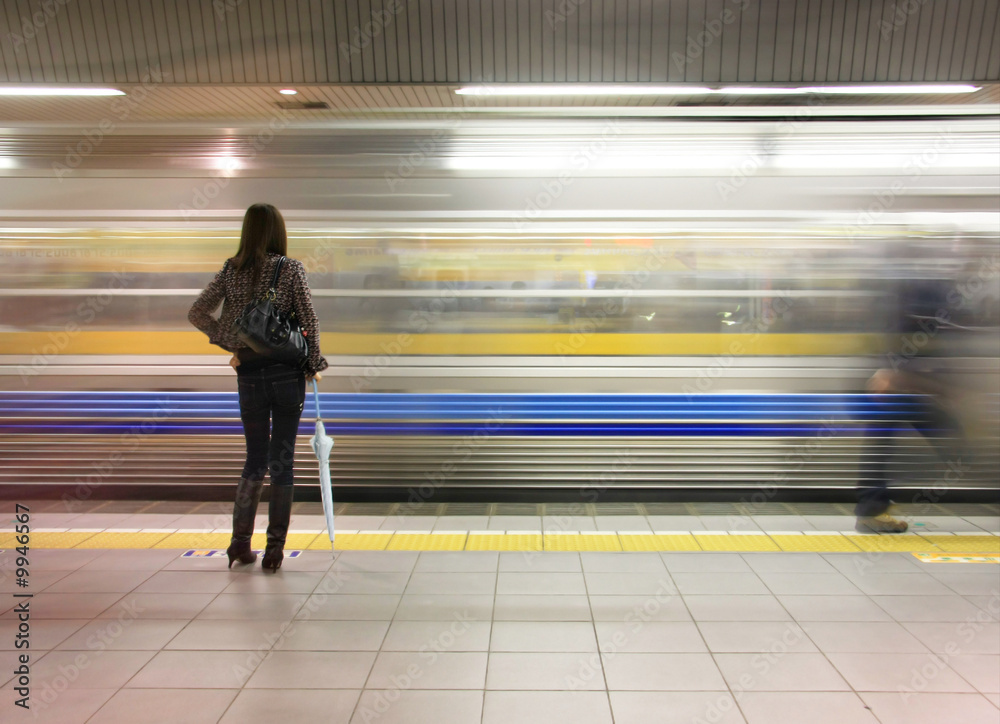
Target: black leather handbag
{"x": 269, "y": 331}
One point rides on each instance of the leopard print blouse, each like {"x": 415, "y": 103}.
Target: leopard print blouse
{"x": 233, "y": 290}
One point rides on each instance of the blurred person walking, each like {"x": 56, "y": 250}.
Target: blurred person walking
{"x": 271, "y": 393}
{"x": 908, "y": 391}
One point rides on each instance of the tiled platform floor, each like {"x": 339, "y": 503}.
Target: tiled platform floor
{"x": 494, "y": 637}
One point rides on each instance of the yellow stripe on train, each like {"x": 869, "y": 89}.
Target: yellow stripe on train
{"x": 49, "y": 344}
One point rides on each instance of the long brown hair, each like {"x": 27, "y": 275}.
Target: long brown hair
{"x": 263, "y": 233}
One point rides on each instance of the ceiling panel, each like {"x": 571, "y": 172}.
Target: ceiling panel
{"x": 459, "y": 41}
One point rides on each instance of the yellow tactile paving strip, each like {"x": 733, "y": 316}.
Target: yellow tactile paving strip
{"x": 627, "y": 541}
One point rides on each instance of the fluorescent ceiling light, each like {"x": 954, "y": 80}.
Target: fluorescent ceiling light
{"x": 38, "y": 90}
{"x": 562, "y": 89}
{"x": 878, "y": 90}
{"x": 288, "y": 91}
{"x": 582, "y": 90}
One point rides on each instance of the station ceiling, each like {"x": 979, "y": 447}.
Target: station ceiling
{"x": 195, "y": 60}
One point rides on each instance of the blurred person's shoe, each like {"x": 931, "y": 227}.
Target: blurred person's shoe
{"x": 884, "y": 523}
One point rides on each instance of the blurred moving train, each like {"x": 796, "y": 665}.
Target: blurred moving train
{"x": 703, "y": 350}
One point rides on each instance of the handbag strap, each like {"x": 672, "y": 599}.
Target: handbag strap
{"x": 274, "y": 279}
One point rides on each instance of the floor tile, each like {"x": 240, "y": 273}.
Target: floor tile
{"x": 457, "y": 562}
{"x": 900, "y": 584}
{"x": 675, "y": 522}
{"x": 828, "y": 584}
{"x": 467, "y": 583}
{"x": 780, "y": 672}
{"x": 354, "y": 582}
{"x": 985, "y": 581}
{"x": 312, "y": 670}
{"x": 72, "y": 605}
{"x": 165, "y": 706}
{"x": 969, "y": 637}
{"x": 788, "y": 563}
{"x": 662, "y": 672}
{"x": 122, "y": 635}
{"x": 512, "y": 582}
{"x": 833, "y": 608}
{"x": 863, "y": 637}
{"x": 462, "y": 522}
{"x": 88, "y": 669}
{"x": 408, "y": 522}
{"x": 455, "y": 635}
{"x": 395, "y": 706}
{"x": 755, "y": 637}
{"x": 332, "y": 636}
{"x": 730, "y": 583}
{"x": 515, "y": 522}
{"x": 196, "y": 670}
{"x": 240, "y": 607}
{"x": 546, "y": 707}
{"x": 982, "y": 671}
{"x": 623, "y": 563}
{"x": 924, "y": 708}
{"x": 541, "y": 608}
{"x": 287, "y": 582}
{"x": 69, "y": 706}
{"x": 781, "y": 523}
{"x": 43, "y": 637}
{"x": 375, "y": 561}
{"x": 736, "y": 608}
{"x": 188, "y": 582}
{"x": 532, "y": 562}
{"x": 898, "y": 672}
{"x": 267, "y": 706}
{"x": 675, "y": 707}
{"x": 619, "y": 584}
{"x": 650, "y": 637}
{"x": 429, "y": 670}
{"x": 561, "y": 523}
{"x": 855, "y": 565}
{"x": 636, "y": 523}
{"x": 552, "y": 636}
{"x": 213, "y": 635}
{"x": 639, "y": 608}
{"x": 347, "y": 607}
{"x": 766, "y": 707}
{"x": 705, "y": 563}
{"x": 927, "y": 608}
{"x": 430, "y": 607}
{"x": 545, "y": 671}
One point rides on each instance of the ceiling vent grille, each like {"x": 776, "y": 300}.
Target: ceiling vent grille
{"x": 303, "y": 105}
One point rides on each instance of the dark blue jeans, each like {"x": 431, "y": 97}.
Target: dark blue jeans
{"x": 270, "y": 408}
{"x": 894, "y": 412}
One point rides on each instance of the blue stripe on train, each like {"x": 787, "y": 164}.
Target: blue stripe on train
{"x": 460, "y": 414}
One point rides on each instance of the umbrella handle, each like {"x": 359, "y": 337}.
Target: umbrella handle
{"x": 316, "y": 398}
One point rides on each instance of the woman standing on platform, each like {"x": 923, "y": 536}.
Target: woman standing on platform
{"x": 271, "y": 392}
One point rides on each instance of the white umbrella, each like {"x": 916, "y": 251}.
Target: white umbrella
{"x": 322, "y": 444}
